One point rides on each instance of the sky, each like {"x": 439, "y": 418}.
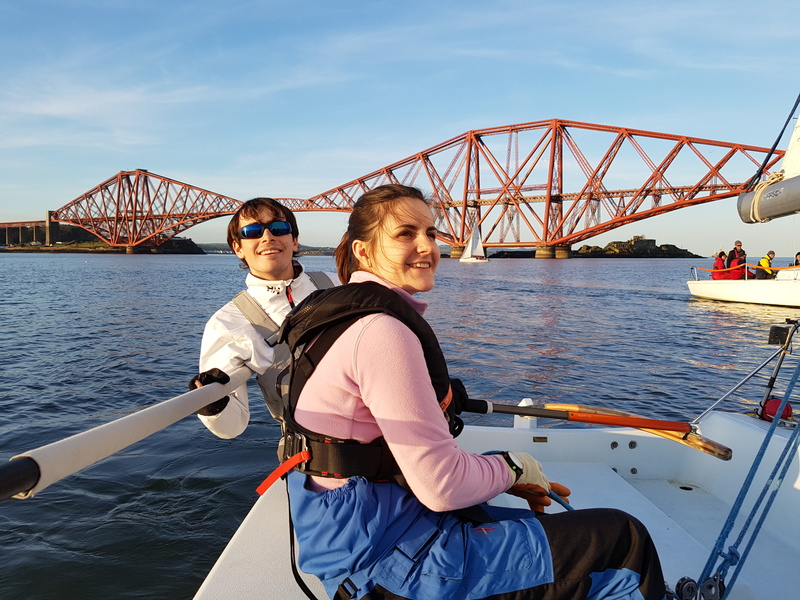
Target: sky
{"x": 290, "y": 99}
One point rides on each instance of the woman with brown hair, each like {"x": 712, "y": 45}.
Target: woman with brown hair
{"x": 389, "y": 506}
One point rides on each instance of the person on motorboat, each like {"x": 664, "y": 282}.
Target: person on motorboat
{"x": 413, "y": 524}
{"x": 719, "y": 271}
{"x": 764, "y": 268}
{"x": 739, "y": 270}
{"x": 737, "y": 253}
{"x": 737, "y": 257}
{"x": 796, "y": 260}
{"x": 264, "y": 235}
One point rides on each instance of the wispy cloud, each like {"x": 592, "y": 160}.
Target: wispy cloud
{"x": 288, "y": 98}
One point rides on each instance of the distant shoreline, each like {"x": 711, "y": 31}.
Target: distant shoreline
{"x": 637, "y": 247}
{"x": 504, "y": 254}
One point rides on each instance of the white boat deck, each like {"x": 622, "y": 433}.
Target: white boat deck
{"x": 682, "y": 517}
{"x": 263, "y": 569}
{"x": 256, "y": 563}
{"x": 594, "y": 485}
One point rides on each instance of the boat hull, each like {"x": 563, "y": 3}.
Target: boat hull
{"x": 775, "y": 292}
{"x": 682, "y": 495}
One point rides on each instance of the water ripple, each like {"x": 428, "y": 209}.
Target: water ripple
{"x": 88, "y": 339}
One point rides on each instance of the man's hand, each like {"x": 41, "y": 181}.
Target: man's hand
{"x": 204, "y": 378}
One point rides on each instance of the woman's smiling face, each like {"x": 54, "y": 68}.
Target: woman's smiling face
{"x": 404, "y": 251}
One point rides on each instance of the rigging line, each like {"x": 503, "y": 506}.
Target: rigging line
{"x": 782, "y": 465}
{"x": 736, "y": 507}
{"x": 754, "y": 180}
{"x": 786, "y": 458}
{"x": 737, "y": 386}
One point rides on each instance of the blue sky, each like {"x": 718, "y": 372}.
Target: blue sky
{"x": 294, "y": 98}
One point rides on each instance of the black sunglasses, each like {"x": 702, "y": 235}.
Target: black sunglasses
{"x": 254, "y": 231}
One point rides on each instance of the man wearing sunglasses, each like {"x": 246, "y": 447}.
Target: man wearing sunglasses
{"x": 264, "y": 235}
{"x": 736, "y": 257}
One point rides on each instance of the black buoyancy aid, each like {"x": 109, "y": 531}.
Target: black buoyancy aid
{"x": 322, "y": 317}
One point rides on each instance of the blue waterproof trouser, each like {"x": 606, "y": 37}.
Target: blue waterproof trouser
{"x": 374, "y": 541}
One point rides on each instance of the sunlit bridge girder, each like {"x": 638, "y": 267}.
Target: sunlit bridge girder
{"x": 542, "y": 183}
{"x": 557, "y": 182}
{"x": 141, "y": 208}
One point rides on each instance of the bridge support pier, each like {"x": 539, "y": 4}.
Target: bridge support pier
{"x": 456, "y": 251}
{"x": 130, "y": 250}
{"x": 51, "y": 230}
{"x": 563, "y": 251}
{"x": 553, "y": 251}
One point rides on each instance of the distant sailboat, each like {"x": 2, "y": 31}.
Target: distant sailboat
{"x": 473, "y": 251}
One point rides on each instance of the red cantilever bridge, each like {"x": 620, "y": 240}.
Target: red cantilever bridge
{"x": 544, "y": 184}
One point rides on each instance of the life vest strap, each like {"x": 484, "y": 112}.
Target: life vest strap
{"x": 286, "y": 466}
{"x": 332, "y": 457}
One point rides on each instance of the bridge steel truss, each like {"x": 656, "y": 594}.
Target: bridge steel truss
{"x": 139, "y": 208}
{"x": 544, "y": 183}
{"x": 557, "y": 182}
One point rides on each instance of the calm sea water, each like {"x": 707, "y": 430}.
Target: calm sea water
{"x": 87, "y": 339}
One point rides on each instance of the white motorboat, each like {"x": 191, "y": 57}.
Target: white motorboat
{"x": 684, "y": 494}
{"x": 784, "y": 290}
{"x": 776, "y": 196}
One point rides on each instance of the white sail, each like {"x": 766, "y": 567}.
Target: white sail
{"x": 779, "y": 194}
{"x": 473, "y": 251}
{"x": 791, "y": 160}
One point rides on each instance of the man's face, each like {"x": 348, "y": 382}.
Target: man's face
{"x": 268, "y": 257}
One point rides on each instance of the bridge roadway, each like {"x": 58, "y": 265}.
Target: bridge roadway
{"x": 49, "y": 226}
{"x": 23, "y": 225}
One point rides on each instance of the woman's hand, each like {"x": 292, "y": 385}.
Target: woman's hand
{"x": 537, "y": 496}
{"x": 531, "y": 470}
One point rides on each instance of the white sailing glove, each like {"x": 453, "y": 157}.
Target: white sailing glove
{"x": 531, "y": 483}
{"x": 526, "y": 470}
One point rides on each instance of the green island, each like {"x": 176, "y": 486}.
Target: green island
{"x": 637, "y": 247}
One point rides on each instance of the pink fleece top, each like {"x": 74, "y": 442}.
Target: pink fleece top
{"x": 374, "y": 381}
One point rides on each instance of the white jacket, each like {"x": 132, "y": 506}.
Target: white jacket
{"x": 230, "y": 341}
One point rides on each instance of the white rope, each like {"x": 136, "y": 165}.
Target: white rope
{"x": 755, "y": 212}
